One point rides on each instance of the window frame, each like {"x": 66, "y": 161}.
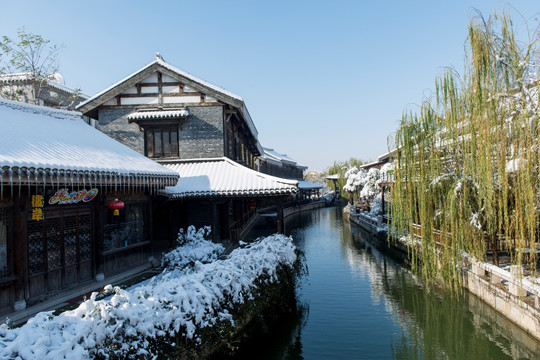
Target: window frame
{"x": 155, "y": 134}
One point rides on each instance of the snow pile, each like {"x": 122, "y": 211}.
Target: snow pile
{"x": 193, "y": 248}
{"x": 171, "y": 304}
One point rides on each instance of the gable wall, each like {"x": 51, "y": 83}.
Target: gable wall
{"x": 114, "y": 122}
{"x": 202, "y": 134}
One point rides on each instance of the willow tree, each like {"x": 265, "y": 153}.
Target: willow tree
{"x": 467, "y": 174}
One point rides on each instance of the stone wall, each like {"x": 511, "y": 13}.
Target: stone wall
{"x": 114, "y": 123}
{"x": 202, "y": 134}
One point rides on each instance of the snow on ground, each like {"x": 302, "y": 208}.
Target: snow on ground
{"x": 194, "y": 291}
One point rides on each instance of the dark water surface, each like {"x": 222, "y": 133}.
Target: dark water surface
{"x": 360, "y": 301}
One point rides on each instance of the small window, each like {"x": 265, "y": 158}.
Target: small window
{"x": 161, "y": 142}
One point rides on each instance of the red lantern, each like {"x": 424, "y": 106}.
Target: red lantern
{"x": 116, "y": 205}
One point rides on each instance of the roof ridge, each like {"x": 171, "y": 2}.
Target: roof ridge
{"x": 38, "y": 109}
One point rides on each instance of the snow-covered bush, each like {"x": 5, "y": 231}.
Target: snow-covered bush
{"x": 356, "y": 179}
{"x": 193, "y": 247}
{"x": 140, "y": 322}
{"x": 366, "y": 185}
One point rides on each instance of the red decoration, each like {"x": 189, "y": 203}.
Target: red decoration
{"x": 116, "y": 205}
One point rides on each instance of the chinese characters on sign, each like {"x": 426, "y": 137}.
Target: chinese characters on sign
{"x": 37, "y": 207}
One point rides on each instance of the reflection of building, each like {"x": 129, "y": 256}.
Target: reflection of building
{"x": 202, "y": 132}
{"x": 57, "y": 177}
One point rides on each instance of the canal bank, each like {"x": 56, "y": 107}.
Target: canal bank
{"x": 503, "y": 288}
{"x": 201, "y": 302}
{"x": 361, "y": 301}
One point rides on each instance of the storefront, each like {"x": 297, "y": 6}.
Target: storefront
{"x": 58, "y": 196}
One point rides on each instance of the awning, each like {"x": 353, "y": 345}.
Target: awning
{"x": 222, "y": 177}
{"x": 163, "y": 114}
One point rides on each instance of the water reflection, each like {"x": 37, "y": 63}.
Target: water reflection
{"x": 438, "y": 325}
{"x": 360, "y": 302}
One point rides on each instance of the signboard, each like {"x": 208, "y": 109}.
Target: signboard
{"x": 64, "y": 197}
{"x": 37, "y": 207}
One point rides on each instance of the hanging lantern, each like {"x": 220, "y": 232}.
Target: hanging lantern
{"x": 116, "y": 205}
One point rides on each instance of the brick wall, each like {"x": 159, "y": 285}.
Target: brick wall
{"x": 202, "y": 134}
{"x": 114, "y": 123}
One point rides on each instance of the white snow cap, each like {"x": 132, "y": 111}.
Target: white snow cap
{"x": 224, "y": 177}
{"x": 45, "y": 138}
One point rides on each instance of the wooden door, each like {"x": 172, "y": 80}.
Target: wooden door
{"x": 59, "y": 250}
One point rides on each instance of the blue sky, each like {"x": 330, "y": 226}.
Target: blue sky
{"x": 323, "y": 80}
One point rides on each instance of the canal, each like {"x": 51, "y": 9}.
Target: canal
{"x": 361, "y": 301}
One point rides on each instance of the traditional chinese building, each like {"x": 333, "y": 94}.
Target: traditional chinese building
{"x": 223, "y": 194}
{"x": 49, "y": 91}
{"x": 202, "y": 132}
{"x": 60, "y": 180}
{"x": 167, "y": 114}
{"x": 274, "y": 163}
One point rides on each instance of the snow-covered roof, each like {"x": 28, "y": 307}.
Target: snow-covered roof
{"x": 138, "y": 115}
{"x": 226, "y": 96}
{"x": 273, "y": 156}
{"x": 224, "y": 177}
{"x": 159, "y": 61}
{"x": 333, "y": 177}
{"x": 53, "y": 80}
{"x": 45, "y": 144}
{"x": 307, "y": 185}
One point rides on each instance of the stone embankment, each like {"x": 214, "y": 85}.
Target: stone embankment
{"x": 506, "y": 289}
{"x": 200, "y": 304}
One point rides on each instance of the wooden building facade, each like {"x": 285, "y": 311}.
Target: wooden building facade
{"x": 58, "y": 177}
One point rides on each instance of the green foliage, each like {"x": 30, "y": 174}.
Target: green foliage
{"x": 341, "y": 168}
{"x": 468, "y": 161}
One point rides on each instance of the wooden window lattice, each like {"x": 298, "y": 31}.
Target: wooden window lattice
{"x": 85, "y": 237}
{"x": 54, "y": 244}
{"x": 58, "y": 241}
{"x": 36, "y": 248}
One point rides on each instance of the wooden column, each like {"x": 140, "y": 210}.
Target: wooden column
{"x": 19, "y": 254}
{"x": 98, "y": 232}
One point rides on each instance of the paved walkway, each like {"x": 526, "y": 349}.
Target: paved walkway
{"x": 70, "y": 299}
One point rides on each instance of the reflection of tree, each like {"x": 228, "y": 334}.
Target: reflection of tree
{"x": 440, "y": 325}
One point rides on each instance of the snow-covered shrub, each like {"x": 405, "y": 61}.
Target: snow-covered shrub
{"x": 138, "y": 323}
{"x": 356, "y": 179}
{"x": 193, "y": 247}
{"x": 371, "y": 187}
